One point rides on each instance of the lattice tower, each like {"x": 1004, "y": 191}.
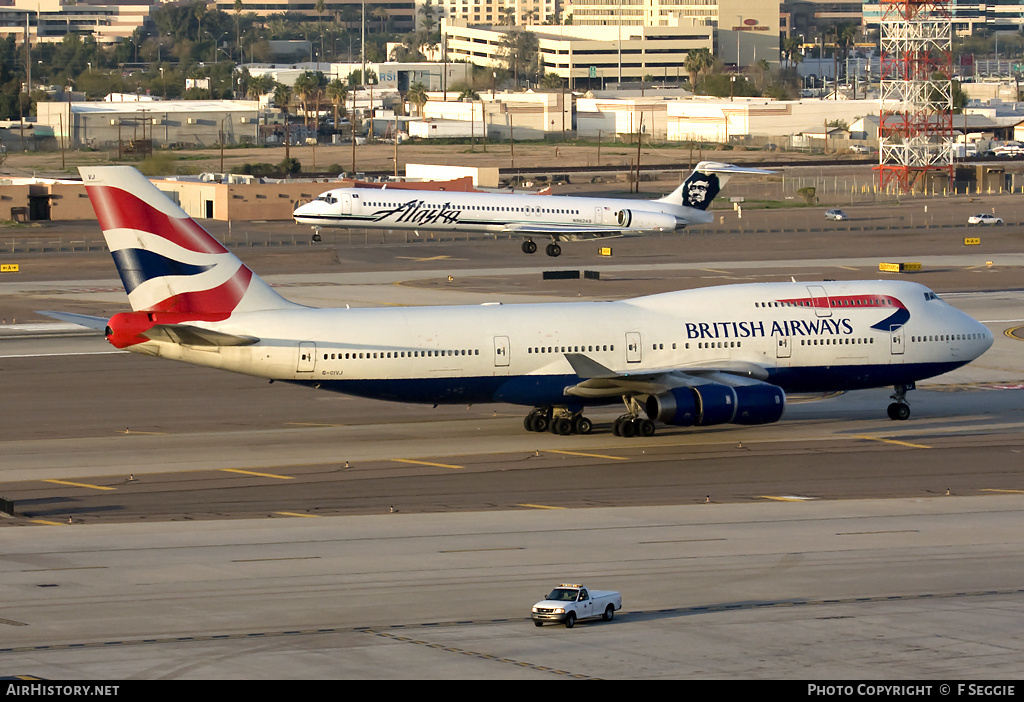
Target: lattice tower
{"x": 916, "y": 122}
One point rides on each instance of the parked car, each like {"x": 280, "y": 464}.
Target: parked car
{"x": 1010, "y": 148}
{"x": 860, "y": 149}
{"x": 836, "y": 215}
{"x": 983, "y": 219}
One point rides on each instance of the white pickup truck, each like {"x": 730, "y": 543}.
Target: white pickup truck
{"x": 571, "y": 601}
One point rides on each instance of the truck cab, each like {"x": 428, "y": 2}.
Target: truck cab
{"x": 570, "y": 602}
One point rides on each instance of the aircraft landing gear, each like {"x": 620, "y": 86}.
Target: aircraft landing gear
{"x": 631, "y": 423}
{"x": 559, "y": 420}
{"x": 316, "y": 235}
{"x": 900, "y": 410}
{"x": 553, "y": 250}
{"x": 529, "y": 247}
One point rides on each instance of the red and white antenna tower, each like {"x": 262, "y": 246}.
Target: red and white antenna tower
{"x": 915, "y": 127}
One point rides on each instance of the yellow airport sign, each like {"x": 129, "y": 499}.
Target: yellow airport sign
{"x": 604, "y": 251}
{"x": 972, "y": 240}
{"x": 898, "y": 267}
{"x": 8, "y": 267}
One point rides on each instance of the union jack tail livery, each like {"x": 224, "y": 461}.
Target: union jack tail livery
{"x": 167, "y": 262}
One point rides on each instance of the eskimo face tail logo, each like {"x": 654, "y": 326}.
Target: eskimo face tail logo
{"x": 167, "y": 263}
{"x": 700, "y": 189}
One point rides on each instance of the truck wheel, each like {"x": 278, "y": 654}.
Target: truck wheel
{"x": 609, "y": 613}
{"x": 570, "y": 620}
{"x": 538, "y": 623}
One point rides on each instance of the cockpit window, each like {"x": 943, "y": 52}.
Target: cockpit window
{"x": 930, "y": 296}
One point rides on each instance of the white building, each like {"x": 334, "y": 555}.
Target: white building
{"x": 591, "y": 54}
{"x": 50, "y": 20}
{"x": 165, "y": 122}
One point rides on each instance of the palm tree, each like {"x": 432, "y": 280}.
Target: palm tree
{"x": 382, "y": 14}
{"x": 417, "y": 95}
{"x": 337, "y": 91}
{"x": 199, "y": 10}
{"x": 698, "y": 61}
{"x": 320, "y": 6}
{"x": 238, "y": 31}
{"x": 282, "y": 98}
{"x": 306, "y": 86}
{"x": 260, "y": 85}
{"x": 846, "y": 35}
{"x": 429, "y": 14}
{"x": 551, "y": 81}
{"x": 761, "y": 68}
{"x": 791, "y": 50}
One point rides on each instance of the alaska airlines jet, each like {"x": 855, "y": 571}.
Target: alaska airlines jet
{"x": 701, "y": 357}
{"x": 562, "y": 218}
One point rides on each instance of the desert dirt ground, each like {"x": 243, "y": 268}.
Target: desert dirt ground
{"x": 379, "y": 157}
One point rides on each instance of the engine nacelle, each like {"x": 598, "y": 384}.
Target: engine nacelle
{"x": 646, "y": 221}
{"x": 714, "y": 403}
{"x": 759, "y": 404}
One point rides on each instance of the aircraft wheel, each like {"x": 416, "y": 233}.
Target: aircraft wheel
{"x": 627, "y": 428}
{"x": 582, "y": 425}
{"x": 899, "y": 411}
{"x": 562, "y": 426}
{"x": 529, "y": 247}
{"x": 539, "y": 423}
{"x": 646, "y": 428}
{"x": 554, "y": 250}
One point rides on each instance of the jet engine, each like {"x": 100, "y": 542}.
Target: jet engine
{"x": 635, "y": 220}
{"x": 715, "y": 403}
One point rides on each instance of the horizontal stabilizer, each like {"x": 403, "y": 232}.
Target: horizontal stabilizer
{"x": 715, "y": 167}
{"x": 189, "y": 335}
{"x": 82, "y": 320}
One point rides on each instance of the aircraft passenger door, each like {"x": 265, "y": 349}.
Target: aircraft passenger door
{"x": 501, "y": 352}
{"x": 307, "y": 357}
{"x": 346, "y": 204}
{"x": 819, "y": 298}
{"x": 783, "y": 348}
{"x": 896, "y": 344}
{"x": 634, "y": 354}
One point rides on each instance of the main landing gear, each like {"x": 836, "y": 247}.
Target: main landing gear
{"x": 552, "y": 249}
{"x": 631, "y": 423}
{"x": 900, "y": 410}
{"x": 558, "y": 420}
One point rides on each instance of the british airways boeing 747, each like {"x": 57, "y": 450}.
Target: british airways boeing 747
{"x": 558, "y": 217}
{"x": 716, "y": 355}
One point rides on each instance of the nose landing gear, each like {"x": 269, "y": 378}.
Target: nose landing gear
{"x": 900, "y": 410}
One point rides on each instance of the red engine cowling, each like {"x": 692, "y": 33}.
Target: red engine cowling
{"x": 124, "y": 329}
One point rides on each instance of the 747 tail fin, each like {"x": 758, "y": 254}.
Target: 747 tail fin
{"x": 167, "y": 262}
